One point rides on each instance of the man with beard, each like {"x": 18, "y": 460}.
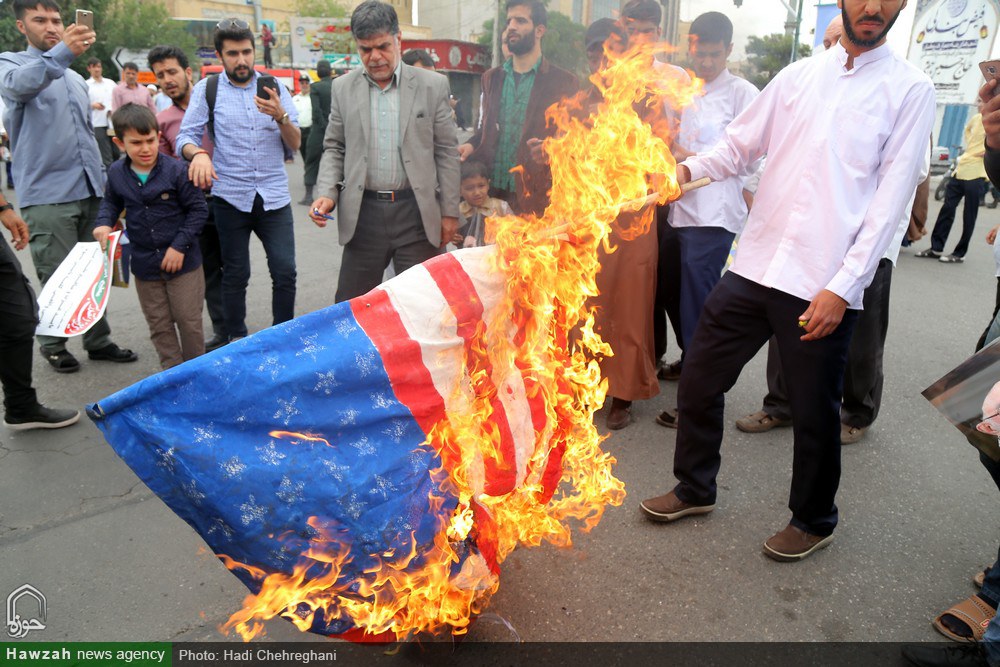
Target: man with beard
{"x": 246, "y": 172}
{"x": 845, "y": 133}
{"x": 57, "y": 164}
{"x": 515, "y": 97}
{"x": 173, "y": 74}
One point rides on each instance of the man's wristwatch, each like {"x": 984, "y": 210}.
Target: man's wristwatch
{"x": 283, "y": 119}
{"x": 6, "y": 207}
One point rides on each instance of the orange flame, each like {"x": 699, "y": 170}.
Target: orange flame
{"x": 605, "y": 159}
{"x": 297, "y": 437}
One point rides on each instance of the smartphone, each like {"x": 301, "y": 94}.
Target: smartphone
{"x": 991, "y": 71}
{"x": 85, "y": 17}
{"x": 266, "y": 81}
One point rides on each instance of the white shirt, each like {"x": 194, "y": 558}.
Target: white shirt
{"x": 682, "y": 79}
{"x": 100, "y": 92}
{"x": 303, "y": 104}
{"x": 846, "y": 150}
{"x": 703, "y": 124}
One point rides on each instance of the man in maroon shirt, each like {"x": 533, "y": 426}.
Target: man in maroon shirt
{"x": 173, "y": 74}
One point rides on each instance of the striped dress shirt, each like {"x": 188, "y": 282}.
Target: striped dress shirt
{"x": 385, "y": 162}
{"x": 249, "y": 155}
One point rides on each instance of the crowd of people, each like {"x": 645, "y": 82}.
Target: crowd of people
{"x": 200, "y": 168}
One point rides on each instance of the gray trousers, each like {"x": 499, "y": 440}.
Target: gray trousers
{"x": 387, "y": 231}
{"x": 106, "y": 145}
{"x": 55, "y": 229}
{"x": 863, "y": 378}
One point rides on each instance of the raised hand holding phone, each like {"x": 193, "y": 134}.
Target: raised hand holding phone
{"x": 991, "y": 102}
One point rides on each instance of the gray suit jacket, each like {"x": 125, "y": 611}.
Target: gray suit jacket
{"x": 429, "y": 148}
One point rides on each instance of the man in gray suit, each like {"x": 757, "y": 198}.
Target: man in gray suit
{"x": 390, "y": 158}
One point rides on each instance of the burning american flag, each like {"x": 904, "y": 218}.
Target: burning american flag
{"x": 366, "y": 468}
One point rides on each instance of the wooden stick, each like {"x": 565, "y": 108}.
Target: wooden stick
{"x": 561, "y": 231}
{"x": 637, "y": 204}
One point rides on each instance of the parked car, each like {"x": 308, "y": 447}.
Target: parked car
{"x": 940, "y": 160}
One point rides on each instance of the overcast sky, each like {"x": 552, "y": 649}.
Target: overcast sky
{"x": 763, "y": 17}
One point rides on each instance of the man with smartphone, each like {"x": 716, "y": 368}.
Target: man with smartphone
{"x": 246, "y": 171}
{"x": 57, "y": 164}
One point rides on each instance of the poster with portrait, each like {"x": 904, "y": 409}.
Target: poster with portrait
{"x": 315, "y": 39}
{"x": 949, "y": 40}
{"x": 969, "y": 396}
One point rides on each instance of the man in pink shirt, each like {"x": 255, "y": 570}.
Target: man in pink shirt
{"x": 129, "y": 90}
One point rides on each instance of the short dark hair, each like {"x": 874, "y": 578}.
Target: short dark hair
{"x": 22, "y": 6}
{"x": 130, "y": 65}
{"x": 643, "y": 10}
{"x": 414, "y": 56}
{"x": 134, "y": 117}
{"x": 712, "y": 27}
{"x": 539, "y": 15}
{"x": 323, "y": 69}
{"x": 474, "y": 168}
{"x": 372, "y": 18}
{"x": 235, "y": 30}
{"x": 158, "y": 54}
{"x": 93, "y": 61}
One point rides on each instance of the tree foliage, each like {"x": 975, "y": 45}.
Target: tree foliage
{"x": 767, "y": 56}
{"x": 563, "y": 43}
{"x": 133, "y": 24}
{"x": 325, "y": 9}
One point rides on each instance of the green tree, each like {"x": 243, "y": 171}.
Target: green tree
{"x": 325, "y": 9}
{"x": 563, "y": 44}
{"x": 768, "y": 55}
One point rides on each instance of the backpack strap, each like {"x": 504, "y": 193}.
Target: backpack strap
{"x": 211, "y": 91}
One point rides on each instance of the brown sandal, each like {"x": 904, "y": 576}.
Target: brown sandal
{"x": 973, "y": 613}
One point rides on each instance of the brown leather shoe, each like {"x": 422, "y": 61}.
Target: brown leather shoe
{"x": 670, "y": 508}
{"x": 850, "y": 435}
{"x": 759, "y": 422}
{"x": 620, "y": 414}
{"x": 793, "y": 544}
{"x": 670, "y": 372}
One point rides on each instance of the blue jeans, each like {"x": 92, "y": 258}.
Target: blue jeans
{"x": 704, "y": 251}
{"x": 991, "y": 583}
{"x": 276, "y": 233}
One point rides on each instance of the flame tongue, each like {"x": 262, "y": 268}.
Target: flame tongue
{"x": 541, "y": 331}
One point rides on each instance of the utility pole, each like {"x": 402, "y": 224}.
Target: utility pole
{"x": 258, "y": 17}
{"x": 795, "y": 37}
{"x": 671, "y": 18}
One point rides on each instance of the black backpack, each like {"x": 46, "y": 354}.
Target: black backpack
{"x": 211, "y": 91}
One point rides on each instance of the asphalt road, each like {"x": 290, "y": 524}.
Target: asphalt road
{"x": 115, "y": 564}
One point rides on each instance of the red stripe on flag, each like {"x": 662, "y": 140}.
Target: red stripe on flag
{"x": 401, "y": 357}
{"x": 460, "y": 293}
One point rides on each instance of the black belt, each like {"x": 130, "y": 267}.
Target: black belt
{"x": 388, "y": 195}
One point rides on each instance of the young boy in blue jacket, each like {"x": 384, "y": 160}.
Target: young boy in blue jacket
{"x": 164, "y": 215}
